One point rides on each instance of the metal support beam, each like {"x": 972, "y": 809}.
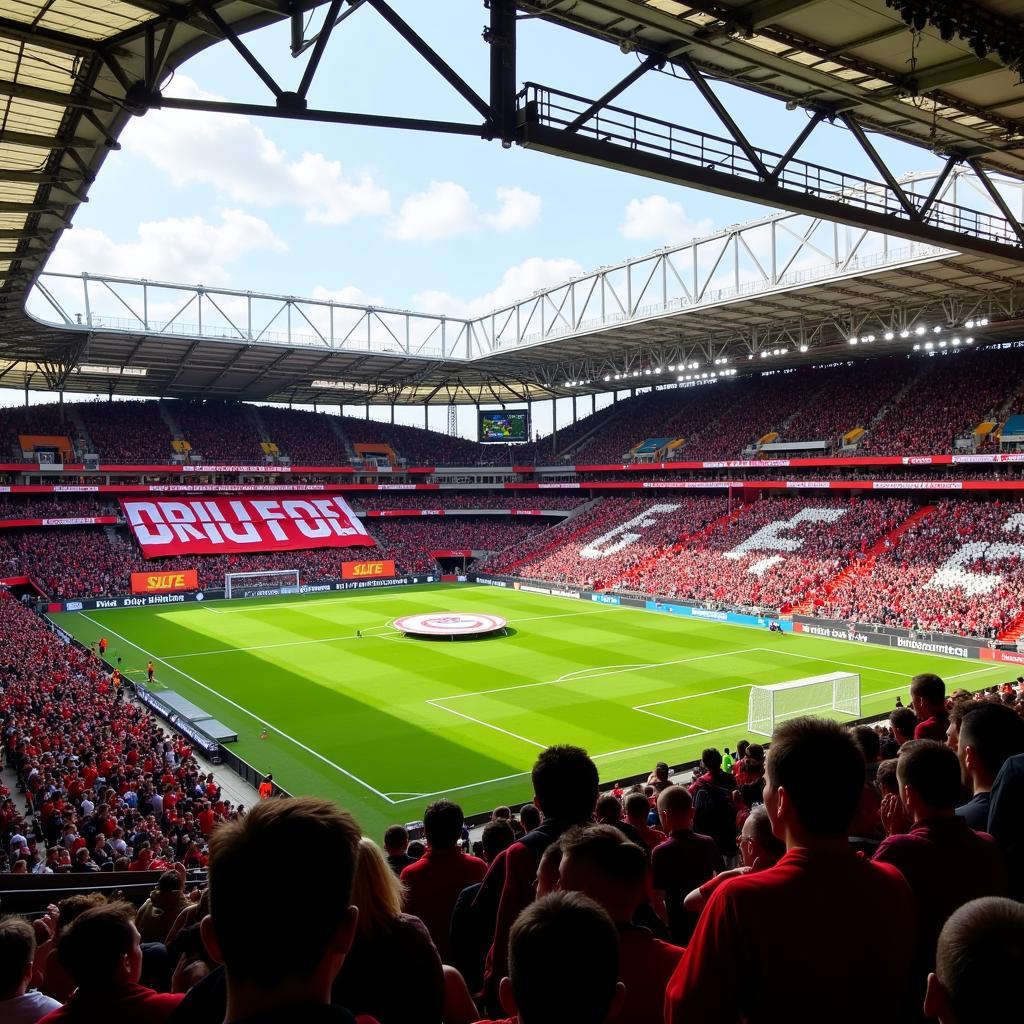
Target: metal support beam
{"x": 881, "y": 166}
{"x": 501, "y": 37}
{"x": 318, "y": 49}
{"x": 46, "y": 141}
{"x": 798, "y": 142}
{"x": 53, "y": 97}
{"x": 998, "y": 199}
{"x": 326, "y": 116}
{"x": 228, "y": 33}
{"x": 431, "y": 57}
{"x": 638, "y": 72}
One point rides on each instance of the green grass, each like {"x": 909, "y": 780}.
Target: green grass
{"x": 383, "y": 724}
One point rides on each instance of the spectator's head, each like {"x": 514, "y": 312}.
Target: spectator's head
{"x": 495, "y": 837}
{"x": 416, "y": 849}
{"x": 442, "y": 824}
{"x": 260, "y": 924}
{"x": 547, "y": 870}
{"x": 169, "y": 881}
{"x": 376, "y": 891}
{"x": 563, "y": 963}
{"x": 565, "y": 784}
{"x": 867, "y": 740}
{"x": 711, "y": 758}
{"x": 675, "y": 808}
{"x": 608, "y": 809}
{"x": 741, "y": 749}
{"x": 929, "y": 776}
{"x": 600, "y": 862}
{"x": 755, "y": 753}
{"x": 396, "y": 839}
{"x": 956, "y": 717}
{"x": 886, "y": 779}
{"x": 758, "y": 843}
{"x": 814, "y": 777}
{"x": 927, "y": 695}
{"x": 17, "y": 951}
{"x": 101, "y": 949}
{"x": 637, "y": 808}
{"x": 989, "y": 734}
{"x": 978, "y": 963}
{"x": 902, "y": 721}
{"x": 529, "y": 817}
{"x": 661, "y": 771}
{"x": 501, "y": 813}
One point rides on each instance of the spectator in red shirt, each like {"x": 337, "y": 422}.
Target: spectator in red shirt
{"x": 102, "y": 952}
{"x": 928, "y": 699}
{"x": 737, "y": 968}
{"x": 563, "y": 964}
{"x": 946, "y": 863}
{"x": 599, "y": 861}
{"x": 433, "y": 883}
{"x": 711, "y": 762}
{"x": 684, "y": 861}
{"x": 565, "y": 785}
{"x": 280, "y": 959}
{"x": 978, "y": 964}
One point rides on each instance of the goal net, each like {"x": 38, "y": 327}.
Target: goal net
{"x": 261, "y": 584}
{"x": 838, "y": 692}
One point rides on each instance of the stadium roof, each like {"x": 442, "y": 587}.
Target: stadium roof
{"x": 73, "y": 71}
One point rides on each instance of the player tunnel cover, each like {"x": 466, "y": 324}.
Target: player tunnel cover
{"x": 213, "y": 526}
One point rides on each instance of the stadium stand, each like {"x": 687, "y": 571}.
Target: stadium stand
{"x": 126, "y": 432}
{"x": 308, "y": 438}
{"x": 219, "y": 432}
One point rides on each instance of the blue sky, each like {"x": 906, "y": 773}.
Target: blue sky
{"x": 411, "y": 220}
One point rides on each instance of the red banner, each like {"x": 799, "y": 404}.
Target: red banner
{"x": 215, "y": 526}
{"x": 364, "y": 570}
{"x": 164, "y": 582}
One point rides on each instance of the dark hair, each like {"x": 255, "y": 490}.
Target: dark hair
{"x": 932, "y": 771}
{"x": 980, "y": 958}
{"x": 529, "y": 816}
{"x": 497, "y": 836}
{"x": 17, "y": 948}
{"x": 994, "y": 731}
{"x": 442, "y": 824}
{"x": 416, "y": 849}
{"x": 867, "y": 740}
{"x": 929, "y": 687}
{"x": 501, "y": 813}
{"x": 885, "y": 777}
{"x": 711, "y": 758}
{"x": 262, "y": 917}
{"x": 637, "y": 806}
{"x": 563, "y": 960}
{"x": 755, "y": 752}
{"x": 903, "y": 720}
{"x": 95, "y": 942}
{"x": 169, "y": 881}
{"x": 565, "y": 782}
{"x": 741, "y": 749}
{"x": 396, "y": 835}
{"x": 608, "y": 806}
{"x": 821, "y": 769}
{"x": 605, "y": 849}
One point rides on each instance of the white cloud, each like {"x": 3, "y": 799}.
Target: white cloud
{"x": 656, "y": 217}
{"x": 185, "y": 249}
{"x": 446, "y": 209}
{"x": 517, "y": 282}
{"x": 234, "y": 155}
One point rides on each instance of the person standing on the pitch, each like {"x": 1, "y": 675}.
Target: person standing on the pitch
{"x": 150, "y": 672}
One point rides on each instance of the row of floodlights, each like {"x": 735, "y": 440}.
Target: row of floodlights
{"x": 918, "y": 332}
{"x": 672, "y": 368}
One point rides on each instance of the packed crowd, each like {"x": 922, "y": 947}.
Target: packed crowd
{"x": 308, "y": 438}
{"x": 105, "y": 787}
{"x": 468, "y": 499}
{"x": 748, "y": 563}
{"x": 47, "y": 420}
{"x": 677, "y": 900}
{"x": 220, "y": 432}
{"x": 959, "y": 569}
{"x": 126, "y": 432}
{"x": 60, "y": 506}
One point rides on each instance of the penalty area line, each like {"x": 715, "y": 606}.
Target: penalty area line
{"x": 245, "y": 711}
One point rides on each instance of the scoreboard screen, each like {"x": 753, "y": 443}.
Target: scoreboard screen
{"x": 504, "y": 427}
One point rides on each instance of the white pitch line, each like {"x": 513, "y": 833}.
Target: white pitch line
{"x": 692, "y": 696}
{"x": 246, "y": 711}
{"x": 571, "y": 677}
{"x": 830, "y": 661}
{"x": 289, "y": 643}
{"x": 488, "y": 725}
{"x": 697, "y": 730}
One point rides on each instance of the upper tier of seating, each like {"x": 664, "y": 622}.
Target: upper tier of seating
{"x": 908, "y": 404}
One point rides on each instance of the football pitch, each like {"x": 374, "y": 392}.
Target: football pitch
{"x": 384, "y": 724}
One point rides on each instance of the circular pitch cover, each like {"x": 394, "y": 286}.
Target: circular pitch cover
{"x": 450, "y": 623}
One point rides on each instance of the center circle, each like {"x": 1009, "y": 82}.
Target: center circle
{"x": 449, "y": 624}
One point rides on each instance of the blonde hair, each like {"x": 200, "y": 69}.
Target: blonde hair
{"x": 376, "y": 891}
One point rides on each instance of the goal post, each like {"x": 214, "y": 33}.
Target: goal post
{"x": 836, "y": 692}
{"x": 261, "y": 584}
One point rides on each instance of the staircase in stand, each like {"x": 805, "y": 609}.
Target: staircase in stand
{"x": 1014, "y": 632}
{"x": 558, "y": 542}
{"x": 860, "y": 566}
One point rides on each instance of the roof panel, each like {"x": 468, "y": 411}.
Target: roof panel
{"x": 87, "y": 19}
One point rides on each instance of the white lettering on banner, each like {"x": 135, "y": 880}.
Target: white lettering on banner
{"x": 661, "y": 484}
{"x": 557, "y": 487}
{"x": 932, "y": 648}
{"x": 396, "y": 487}
{"x": 995, "y": 457}
{"x": 917, "y": 485}
{"x": 917, "y": 460}
{"x": 769, "y": 538}
{"x": 649, "y": 518}
{"x": 236, "y": 469}
{"x": 953, "y": 574}
{"x": 80, "y": 521}
{"x": 809, "y": 483}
